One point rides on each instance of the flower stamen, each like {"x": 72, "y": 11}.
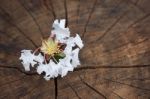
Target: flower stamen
{"x": 50, "y": 47}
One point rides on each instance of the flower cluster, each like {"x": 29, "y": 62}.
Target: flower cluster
{"x": 57, "y": 55}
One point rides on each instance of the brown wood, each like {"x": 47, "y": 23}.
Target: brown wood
{"x": 115, "y": 62}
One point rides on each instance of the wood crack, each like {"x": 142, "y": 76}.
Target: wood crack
{"x": 117, "y": 95}
{"x": 111, "y": 27}
{"x": 89, "y": 17}
{"x": 139, "y": 20}
{"x": 92, "y": 88}
{"x": 13, "y": 81}
{"x": 78, "y": 69}
{"x": 76, "y": 93}
{"x": 127, "y": 84}
{"x": 56, "y": 88}
{"x": 34, "y": 19}
{"x": 18, "y": 69}
{"x": 51, "y": 8}
{"x": 66, "y": 13}
{"x": 14, "y": 25}
{"x": 78, "y": 10}
{"x": 136, "y": 5}
{"x": 36, "y": 86}
{"x": 108, "y": 67}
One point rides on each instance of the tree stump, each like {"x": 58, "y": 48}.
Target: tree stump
{"x": 115, "y": 61}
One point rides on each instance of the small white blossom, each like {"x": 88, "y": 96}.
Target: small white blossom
{"x": 50, "y": 66}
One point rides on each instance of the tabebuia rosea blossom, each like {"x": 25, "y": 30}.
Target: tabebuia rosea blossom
{"x": 57, "y": 55}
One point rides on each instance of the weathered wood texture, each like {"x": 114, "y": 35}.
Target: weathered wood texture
{"x": 115, "y": 60}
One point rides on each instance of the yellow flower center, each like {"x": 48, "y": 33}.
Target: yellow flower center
{"x": 50, "y": 47}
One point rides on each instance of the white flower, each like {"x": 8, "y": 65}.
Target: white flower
{"x": 27, "y": 59}
{"x": 46, "y": 62}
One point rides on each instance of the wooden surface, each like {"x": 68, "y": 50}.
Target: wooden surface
{"x": 115, "y": 62}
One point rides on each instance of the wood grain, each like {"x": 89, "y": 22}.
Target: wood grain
{"x": 115, "y": 62}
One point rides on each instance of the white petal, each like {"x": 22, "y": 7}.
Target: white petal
{"x": 39, "y": 58}
{"x": 26, "y": 66}
{"x": 59, "y": 30}
{"x": 78, "y": 41}
{"x": 65, "y": 70}
{"x": 62, "y": 23}
{"x": 27, "y": 59}
{"x": 50, "y": 69}
{"x": 66, "y": 66}
{"x": 68, "y": 50}
{"x": 71, "y": 41}
{"x": 75, "y": 57}
{"x": 54, "y": 69}
{"x": 42, "y": 67}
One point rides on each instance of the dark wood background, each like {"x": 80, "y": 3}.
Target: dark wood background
{"x": 115, "y": 62}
